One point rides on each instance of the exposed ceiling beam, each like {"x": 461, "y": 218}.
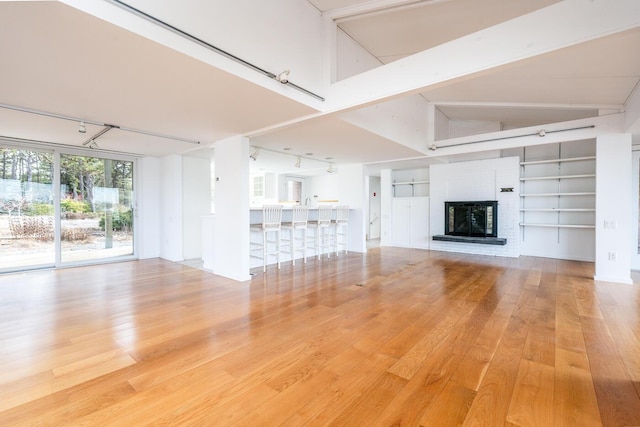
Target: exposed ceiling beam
{"x": 367, "y": 8}
{"x": 555, "y": 27}
{"x": 632, "y": 112}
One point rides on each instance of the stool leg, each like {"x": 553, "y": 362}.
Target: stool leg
{"x": 264, "y": 251}
{"x": 293, "y": 245}
{"x": 304, "y": 244}
{"x": 278, "y": 248}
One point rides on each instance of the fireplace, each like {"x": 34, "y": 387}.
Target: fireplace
{"x": 471, "y": 219}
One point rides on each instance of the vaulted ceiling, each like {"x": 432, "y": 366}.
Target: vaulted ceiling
{"x": 60, "y": 60}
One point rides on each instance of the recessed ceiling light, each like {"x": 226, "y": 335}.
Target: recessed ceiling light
{"x": 286, "y": 149}
{"x": 328, "y": 158}
{"x": 308, "y": 154}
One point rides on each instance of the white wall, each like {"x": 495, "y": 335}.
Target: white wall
{"x": 148, "y": 207}
{"x": 477, "y": 180}
{"x": 196, "y": 194}
{"x": 171, "y": 208}
{"x": 613, "y": 208}
{"x": 459, "y": 128}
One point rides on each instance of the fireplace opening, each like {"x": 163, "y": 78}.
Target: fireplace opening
{"x": 471, "y": 219}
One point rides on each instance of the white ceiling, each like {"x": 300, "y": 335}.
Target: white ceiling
{"x": 60, "y": 60}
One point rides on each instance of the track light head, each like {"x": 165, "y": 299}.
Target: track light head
{"x": 283, "y": 77}
{"x": 254, "y": 156}
{"x": 298, "y": 162}
{"x": 433, "y": 147}
{"x": 82, "y": 128}
{"x": 542, "y": 133}
{"x": 331, "y": 168}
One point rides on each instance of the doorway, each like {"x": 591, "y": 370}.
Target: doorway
{"x": 373, "y": 229}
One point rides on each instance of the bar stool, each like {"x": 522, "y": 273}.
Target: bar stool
{"x": 299, "y": 218}
{"x": 341, "y": 224}
{"x": 271, "y": 223}
{"x": 321, "y": 225}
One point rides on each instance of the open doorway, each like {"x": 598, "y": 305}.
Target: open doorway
{"x": 373, "y": 217}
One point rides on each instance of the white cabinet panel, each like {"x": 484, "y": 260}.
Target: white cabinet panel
{"x": 410, "y": 222}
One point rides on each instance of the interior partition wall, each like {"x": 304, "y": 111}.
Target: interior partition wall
{"x": 64, "y": 207}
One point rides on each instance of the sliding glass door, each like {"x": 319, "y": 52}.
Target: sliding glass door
{"x": 93, "y": 199}
{"x": 26, "y": 209}
{"x": 96, "y": 216}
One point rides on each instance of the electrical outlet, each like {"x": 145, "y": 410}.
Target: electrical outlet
{"x": 612, "y": 256}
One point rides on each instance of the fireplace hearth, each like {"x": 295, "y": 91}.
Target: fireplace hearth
{"x": 471, "y": 222}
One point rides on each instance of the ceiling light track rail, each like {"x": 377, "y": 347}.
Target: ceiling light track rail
{"x": 541, "y": 133}
{"x": 211, "y": 47}
{"x": 54, "y": 146}
{"x": 92, "y": 122}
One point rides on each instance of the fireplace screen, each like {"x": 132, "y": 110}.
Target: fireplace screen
{"x": 472, "y": 219}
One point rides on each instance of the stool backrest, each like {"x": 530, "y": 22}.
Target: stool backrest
{"x": 342, "y": 214}
{"x": 271, "y": 216}
{"x": 324, "y": 214}
{"x": 299, "y": 215}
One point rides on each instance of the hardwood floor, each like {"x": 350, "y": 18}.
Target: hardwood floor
{"x": 394, "y": 337}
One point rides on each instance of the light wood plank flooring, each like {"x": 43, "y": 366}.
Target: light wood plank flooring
{"x": 394, "y": 337}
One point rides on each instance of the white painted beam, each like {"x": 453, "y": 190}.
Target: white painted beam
{"x": 632, "y": 112}
{"x": 367, "y": 8}
{"x": 557, "y": 26}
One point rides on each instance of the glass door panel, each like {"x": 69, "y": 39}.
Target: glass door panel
{"x": 26, "y": 209}
{"x": 96, "y": 215}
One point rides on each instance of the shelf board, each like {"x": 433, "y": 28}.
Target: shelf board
{"x": 557, "y": 210}
{"x": 409, "y": 182}
{"x": 541, "y": 178}
{"x": 528, "y": 224}
{"x": 571, "y": 159}
{"x": 557, "y": 194}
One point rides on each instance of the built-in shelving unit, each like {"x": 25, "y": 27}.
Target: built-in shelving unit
{"x": 558, "y": 192}
{"x": 411, "y": 184}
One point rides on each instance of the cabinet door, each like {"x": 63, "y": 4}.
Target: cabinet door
{"x": 400, "y": 219}
{"x": 419, "y": 222}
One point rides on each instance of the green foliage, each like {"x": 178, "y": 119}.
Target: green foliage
{"x": 39, "y": 209}
{"x": 69, "y": 205}
{"x": 121, "y": 221}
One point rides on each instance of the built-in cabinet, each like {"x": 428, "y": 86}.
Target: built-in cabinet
{"x": 410, "y": 208}
{"x": 411, "y": 222}
{"x": 557, "y": 200}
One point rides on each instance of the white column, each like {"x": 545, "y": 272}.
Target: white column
{"x": 231, "y": 244}
{"x": 386, "y": 197}
{"x": 613, "y": 208}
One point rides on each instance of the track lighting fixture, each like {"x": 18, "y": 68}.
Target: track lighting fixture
{"x": 254, "y": 155}
{"x": 331, "y": 169}
{"x": 283, "y": 77}
{"x": 433, "y": 147}
{"x": 298, "y": 162}
{"x": 542, "y": 133}
{"x": 82, "y": 128}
